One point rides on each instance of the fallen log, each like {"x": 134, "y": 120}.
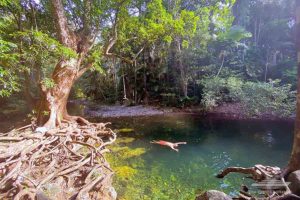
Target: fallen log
{"x": 267, "y": 178}
{"x": 258, "y": 172}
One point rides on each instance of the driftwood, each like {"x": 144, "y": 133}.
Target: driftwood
{"x": 258, "y": 172}
{"x": 268, "y": 179}
{"x": 69, "y": 159}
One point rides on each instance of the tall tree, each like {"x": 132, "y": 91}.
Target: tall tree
{"x": 80, "y": 39}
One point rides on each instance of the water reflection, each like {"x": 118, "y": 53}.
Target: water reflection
{"x": 161, "y": 173}
{"x": 221, "y": 160}
{"x": 267, "y": 138}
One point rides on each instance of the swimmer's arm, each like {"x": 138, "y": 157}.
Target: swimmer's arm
{"x": 174, "y": 149}
{"x": 180, "y": 143}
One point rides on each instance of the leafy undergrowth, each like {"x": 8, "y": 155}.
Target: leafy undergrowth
{"x": 255, "y": 98}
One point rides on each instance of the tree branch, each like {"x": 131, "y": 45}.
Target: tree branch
{"x": 84, "y": 69}
{"x": 138, "y": 53}
{"x": 90, "y": 64}
{"x": 258, "y": 172}
{"x": 86, "y": 16}
{"x": 242, "y": 170}
{"x": 65, "y": 35}
{"x": 112, "y": 41}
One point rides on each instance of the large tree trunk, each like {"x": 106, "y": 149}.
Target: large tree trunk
{"x": 294, "y": 163}
{"x": 54, "y": 101}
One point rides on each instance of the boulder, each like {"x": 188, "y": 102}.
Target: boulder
{"x": 108, "y": 193}
{"x": 294, "y": 179}
{"x": 213, "y": 195}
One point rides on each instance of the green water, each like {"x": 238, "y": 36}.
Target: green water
{"x": 149, "y": 171}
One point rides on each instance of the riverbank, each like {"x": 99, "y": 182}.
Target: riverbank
{"x": 225, "y": 111}
{"x": 235, "y": 111}
{"x": 10, "y": 120}
{"x": 111, "y": 111}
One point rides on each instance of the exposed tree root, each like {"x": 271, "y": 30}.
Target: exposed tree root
{"x": 62, "y": 163}
{"x": 258, "y": 172}
{"x": 268, "y": 179}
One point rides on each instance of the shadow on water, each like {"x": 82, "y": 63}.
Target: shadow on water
{"x": 157, "y": 172}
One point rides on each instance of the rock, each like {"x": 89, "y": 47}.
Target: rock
{"x": 213, "y": 195}
{"x": 294, "y": 179}
{"x": 107, "y": 193}
{"x": 41, "y": 196}
{"x": 41, "y": 130}
{"x": 112, "y": 193}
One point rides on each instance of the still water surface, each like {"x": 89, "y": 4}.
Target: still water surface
{"x": 149, "y": 171}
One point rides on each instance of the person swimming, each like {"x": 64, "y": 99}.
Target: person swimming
{"x": 169, "y": 144}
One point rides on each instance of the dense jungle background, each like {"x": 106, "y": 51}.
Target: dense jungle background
{"x": 167, "y": 53}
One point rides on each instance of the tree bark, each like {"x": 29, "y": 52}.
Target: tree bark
{"x": 294, "y": 163}
{"x": 53, "y": 108}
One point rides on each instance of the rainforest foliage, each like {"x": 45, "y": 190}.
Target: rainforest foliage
{"x": 178, "y": 53}
{"x": 172, "y": 53}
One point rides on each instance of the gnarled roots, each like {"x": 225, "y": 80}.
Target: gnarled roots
{"x": 64, "y": 163}
{"x": 268, "y": 179}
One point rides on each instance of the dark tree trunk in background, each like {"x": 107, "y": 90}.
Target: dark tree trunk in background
{"x": 182, "y": 72}
{"x": 294, "y": 163}
{"x": 27, "y": 93}
{"x": 145, "y": 91}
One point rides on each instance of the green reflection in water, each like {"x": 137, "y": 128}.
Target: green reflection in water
{"x": 149, "y": 171}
